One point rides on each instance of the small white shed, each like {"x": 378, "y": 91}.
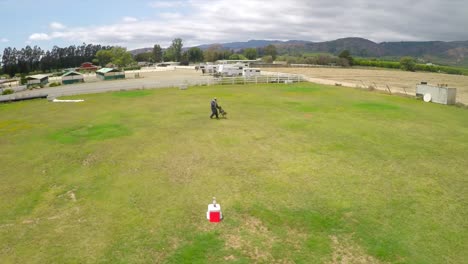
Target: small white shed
{"x": 439, "y": 94}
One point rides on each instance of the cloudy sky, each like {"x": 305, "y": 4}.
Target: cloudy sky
{"x": 142, "y": 23}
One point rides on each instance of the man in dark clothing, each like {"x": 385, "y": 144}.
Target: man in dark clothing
{"x": 214, "y": 108}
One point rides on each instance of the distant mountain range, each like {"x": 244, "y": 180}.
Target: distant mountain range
{"x": 450, "y": 53}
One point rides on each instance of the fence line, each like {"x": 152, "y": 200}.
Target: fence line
{"x": 268, "y": 78}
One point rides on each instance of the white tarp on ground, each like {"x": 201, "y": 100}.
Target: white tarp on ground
{"x": 67, "y": 101}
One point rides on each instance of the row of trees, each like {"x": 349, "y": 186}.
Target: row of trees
{"x": 34, "y": 59}
{"x": 410, "y": 64}
{"x": 213, "y": 53}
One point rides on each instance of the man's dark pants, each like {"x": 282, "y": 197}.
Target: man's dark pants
{"x": 214, "y": 112}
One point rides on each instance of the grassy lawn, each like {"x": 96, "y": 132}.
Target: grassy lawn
{"x": 304, "y": 173}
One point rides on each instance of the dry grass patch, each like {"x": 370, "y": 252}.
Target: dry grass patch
{"x": 346, "y": 252}
{"x": 398, "y": 81}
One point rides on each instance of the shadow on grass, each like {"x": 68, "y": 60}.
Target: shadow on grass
{"x": 136, "y": 93}
{"x": 199, "y": 250}
{"x": 371, "y": 106}
{"x": 90, "y": 132}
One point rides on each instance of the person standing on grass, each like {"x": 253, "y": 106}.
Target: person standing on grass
{"x": 214, "y": 108}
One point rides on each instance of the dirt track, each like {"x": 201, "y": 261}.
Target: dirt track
{"x": 397, "y": 80}
{"x": 147, "y": 80}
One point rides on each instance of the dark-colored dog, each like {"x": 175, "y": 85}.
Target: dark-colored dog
{"x": 222, "y": 112}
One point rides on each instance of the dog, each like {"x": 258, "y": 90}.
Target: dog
{"x": 222, "y": 112}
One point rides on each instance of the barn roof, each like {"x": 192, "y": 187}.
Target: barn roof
{"x": 70, "y": 73}
{"x": 107, "y": 70}
{"x": 37, "y": 77}
{"x": 8, "y": 81}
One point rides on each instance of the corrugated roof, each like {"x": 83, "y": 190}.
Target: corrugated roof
{"x": 8, "y": 81}
{"x": 37, "y": 76}
{"x": 107, "y": 70}
{"x": 71, "y": 73}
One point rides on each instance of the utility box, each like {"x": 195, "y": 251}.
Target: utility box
{"x": 439, "y": 94}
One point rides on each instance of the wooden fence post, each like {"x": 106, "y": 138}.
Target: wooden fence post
{"x": 389, "y": 89}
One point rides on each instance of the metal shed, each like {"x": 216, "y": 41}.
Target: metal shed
{"x": 39, "y": 79}
{"x": 72, "y": 77}
{"x": 110, "y": 74}
{"x": 440, "y": 95}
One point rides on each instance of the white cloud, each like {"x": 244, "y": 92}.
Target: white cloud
{"x": 39, "y": 36}
{"x": 56, "y": 26}
{"x": 200, "y": 22}
{"x": 170, "y": 15}
{"x": 129, "y": 19}
{"x": 168, "y": 4}
{"x": 4, "y": 40}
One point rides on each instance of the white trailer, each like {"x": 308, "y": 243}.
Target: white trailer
{"x": 209, "y": 69}
{"x": 249, "y": 72}
{"x": 230, "y": 70}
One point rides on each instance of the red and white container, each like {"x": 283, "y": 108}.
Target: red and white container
{"x": 214, "y": 213}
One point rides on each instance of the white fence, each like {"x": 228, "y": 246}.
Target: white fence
{"x": 283, "y": 78}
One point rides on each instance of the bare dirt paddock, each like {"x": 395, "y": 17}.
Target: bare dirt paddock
{"x": 398, "y": 81}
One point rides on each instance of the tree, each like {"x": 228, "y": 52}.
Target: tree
{"x": 195, "y": 55}
{"x": 184, "y": 59}
{"x": 267, "y": 59}
{"x": 117, "y": 55}
{"x": 157, "y": 53}
{"x": 144, "y": 57}
{"x": 169, "y": 54}
{"x": 250, "y": 53}
{"x": 270, "y": 50}
{"x": 212, "y": 53}
{"x": 346, "y": 55}
{"x": 176, "y": 48}
{"x": 121, "y": 57}
{"x": 407, "y": 64}
{"x": 104, "y": 57}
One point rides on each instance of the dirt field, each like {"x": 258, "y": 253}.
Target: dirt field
{"x": 398, "y": 81}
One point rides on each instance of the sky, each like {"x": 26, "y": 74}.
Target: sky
{"x": 143, "y": 23}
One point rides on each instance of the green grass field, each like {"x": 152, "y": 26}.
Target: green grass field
{"x": 304, "y": 173}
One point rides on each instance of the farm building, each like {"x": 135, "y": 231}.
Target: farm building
{"x": 72, "y": 77}
{"x": 39, "y": 79}
{"x": 9, "y": 83}
{"x": 249, "y": 72}
{"x": 87, "y": 66}
{"x": 110, "y": 74}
